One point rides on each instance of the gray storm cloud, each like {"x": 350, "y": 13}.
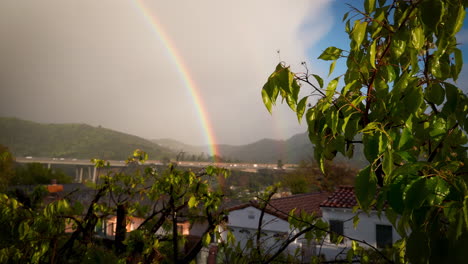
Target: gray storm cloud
{"x": 101, "y": 63}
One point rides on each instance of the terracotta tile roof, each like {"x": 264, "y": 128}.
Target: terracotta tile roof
{"x": 280, "y": 207}
{"x": 343, "y": 197}
{"x": 308, "y": 202}
{"x": 55, "y": 188}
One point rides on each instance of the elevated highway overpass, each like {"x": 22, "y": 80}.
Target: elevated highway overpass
{"x": 87, "y": 167}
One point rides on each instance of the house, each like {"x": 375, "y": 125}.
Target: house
{"x": 373, "y": 228}
{"x": 243, "y": 221}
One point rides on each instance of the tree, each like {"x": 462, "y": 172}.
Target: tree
{"x": 7, "y": 167}
{"x": 308, "y": 177}
{"x": 36, "y": 173}
{"x": 37, "y": 234}
{"x": 279, "y": 164}
{"x": 400, "y": 101}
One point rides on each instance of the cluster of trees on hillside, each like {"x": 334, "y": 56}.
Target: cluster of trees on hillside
{"x": 28, "y": 174}
{"x": 308, "y": 177}
{"x": 26, "y": 138}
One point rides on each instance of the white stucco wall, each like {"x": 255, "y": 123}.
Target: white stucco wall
{"x": 243, "y": 224}
{"x": 365, "y": 230}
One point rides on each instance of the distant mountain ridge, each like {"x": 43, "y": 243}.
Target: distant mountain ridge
{"x": 293, "y": 150}
{"x": 27, "y": 138}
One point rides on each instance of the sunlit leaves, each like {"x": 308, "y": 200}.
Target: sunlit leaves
{"x": 331, "y": 53}
{"x": 332, "y": 67}
{"x": 281, "y": 82}
{"x": 301, "y": 106}
{"x": 455, "y": 19}
{"x": 400, "y": 99}
{"x": 369, "y": 6}
{"x": 358, "y": 33}
{"x": 372, "y": 54}
{"x": 319, "y": 80}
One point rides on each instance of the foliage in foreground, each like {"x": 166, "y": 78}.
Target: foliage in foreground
{"x": 400, "y": 101}
{"x": 35, "y": 233}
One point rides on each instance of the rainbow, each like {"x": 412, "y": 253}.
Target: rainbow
{"x": 184, "y": 73}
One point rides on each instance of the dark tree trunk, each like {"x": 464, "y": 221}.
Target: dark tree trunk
{"x": 121, "y": 228}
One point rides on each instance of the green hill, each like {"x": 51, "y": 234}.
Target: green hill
{"x": 81, "y": 141}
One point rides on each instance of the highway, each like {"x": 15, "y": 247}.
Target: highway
{"x": 121, "y": 163}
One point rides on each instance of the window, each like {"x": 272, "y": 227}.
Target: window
{"x": 336, "y": 229}
{"x": 384, "y": 235}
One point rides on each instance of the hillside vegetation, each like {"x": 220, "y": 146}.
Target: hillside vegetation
{"x": 293, "y": 150}
{"x": 26, "y": 138}
{"x": 81, "y": 141}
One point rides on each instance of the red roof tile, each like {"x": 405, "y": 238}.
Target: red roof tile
{"x": 280, "y": 207}
{"x": 54, "y": 188}
{"x": 343, "y": 197}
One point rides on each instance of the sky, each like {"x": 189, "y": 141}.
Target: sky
{"x": 186, "y": 70}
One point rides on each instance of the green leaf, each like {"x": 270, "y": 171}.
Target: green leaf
{"x": 301, "y": 106}
{"x": 319, "y": 80}
{"x": 206, "y": 239}
{"x": 412, "y": 99}
{"x": 438, "y": 128}
{"x": 369, "y": 6}
{"x": 192, "y": 202}
{"x": 416, "y": 194}
{"x": 371, "y": 146}
{"x": 266, "y": 98}
{"x": 387, "y": 163}
{"x": 365, "y": 186}
{"x": 395, "y": 194}
{"x": 389, "y": 73}
{"x": 435, "y": 94}
{"x": 345, "y": 16}
{"x": 398, "y": 47}
{"x": 348, "y": 87}
{"x": 372, "y": 54}
{"x": 431, "y": 13}
{"x": 355, "y": 223}
{"x": 438, "y": 189}
{"x": 334, "y": 121}
{"x": 465, "y": 211}
{"x": 332, "y": 67}
{"x": 406, "y": 156}
{"x": 358, "y": 33}
{"x": 331, "y": 87}
{"x": 331, "y": 53}
{"x": 458, "y": 63}
{"x": 417, "y": 38}
{"x": 458, "y": 23}
{"x": 451, "y": 92}
{"x": 406, "y": 139}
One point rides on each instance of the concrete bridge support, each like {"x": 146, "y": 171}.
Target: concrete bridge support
{"x": 94, "y": 175}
